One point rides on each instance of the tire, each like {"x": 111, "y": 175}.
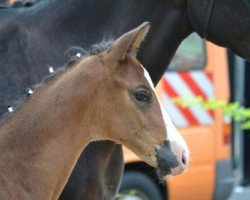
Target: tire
{"x": 140, "y": 185}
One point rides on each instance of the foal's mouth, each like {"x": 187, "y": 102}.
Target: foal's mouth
{"x": 170, "y": 162}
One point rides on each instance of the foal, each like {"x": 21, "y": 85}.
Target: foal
{"x": 107, "y": 96}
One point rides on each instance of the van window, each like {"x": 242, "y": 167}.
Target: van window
{"x": 190, "y": 55}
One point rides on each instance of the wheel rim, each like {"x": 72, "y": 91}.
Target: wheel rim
{"x": 134, "y": 194}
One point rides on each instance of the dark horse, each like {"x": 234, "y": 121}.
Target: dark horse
{"x": 39, "y": 35}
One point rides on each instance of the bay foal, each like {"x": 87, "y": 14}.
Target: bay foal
{"x": 107, "y": 96}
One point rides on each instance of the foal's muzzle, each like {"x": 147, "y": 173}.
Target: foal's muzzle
{"x": 171, "y": 160}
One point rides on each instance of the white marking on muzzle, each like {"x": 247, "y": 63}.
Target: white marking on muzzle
{"x": 172, "y": 133}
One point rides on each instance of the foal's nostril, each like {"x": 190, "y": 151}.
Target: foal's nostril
{"x": 184, "y": 158}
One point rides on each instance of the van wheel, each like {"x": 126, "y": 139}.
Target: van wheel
{"x": 138, "y": 186}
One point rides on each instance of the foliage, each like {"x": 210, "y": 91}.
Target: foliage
{"x": 233, "y": 110}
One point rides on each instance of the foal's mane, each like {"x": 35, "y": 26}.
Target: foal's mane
{"x": 71, "y": 53}
{"x": 72, "y": 60}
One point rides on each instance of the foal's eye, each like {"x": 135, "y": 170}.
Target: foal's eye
{"x": 142, "y": 96}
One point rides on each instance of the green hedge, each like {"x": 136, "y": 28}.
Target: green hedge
{"x": 233, "y": 110}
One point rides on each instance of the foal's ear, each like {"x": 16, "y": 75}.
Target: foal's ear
{"x": 129, "y": 43}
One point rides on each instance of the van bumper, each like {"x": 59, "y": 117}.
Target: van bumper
{"x": 224, "y": 180}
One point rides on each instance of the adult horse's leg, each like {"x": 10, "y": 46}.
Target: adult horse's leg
{"x": 100, "y": 181}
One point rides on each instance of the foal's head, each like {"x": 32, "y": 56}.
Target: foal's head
{"x": 129, "y": 111}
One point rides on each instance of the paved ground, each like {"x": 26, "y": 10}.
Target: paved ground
{"x": 240, "y": 193}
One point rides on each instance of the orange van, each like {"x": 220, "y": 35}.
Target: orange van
{"x": 198, "y": 69}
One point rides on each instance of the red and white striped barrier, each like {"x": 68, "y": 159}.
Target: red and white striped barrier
{"x": 193, "y": 84}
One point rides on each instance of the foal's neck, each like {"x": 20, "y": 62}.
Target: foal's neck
{"x": 41, "y": 142}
